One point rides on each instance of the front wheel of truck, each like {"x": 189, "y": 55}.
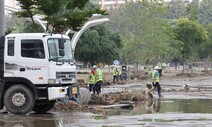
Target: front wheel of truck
{"x": 19, "y": 99}
{"x": 43, "y": 107}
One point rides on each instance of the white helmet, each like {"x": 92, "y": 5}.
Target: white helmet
{"x": 94, "y": 66}
{"x": 156, "y": 67}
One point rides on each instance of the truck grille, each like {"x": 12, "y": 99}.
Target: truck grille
{"x": 66, "y": 76}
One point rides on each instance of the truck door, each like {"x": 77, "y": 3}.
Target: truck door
{"x": 33, "y": 61}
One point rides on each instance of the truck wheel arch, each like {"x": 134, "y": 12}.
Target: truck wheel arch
{"x": 10, "y": 81}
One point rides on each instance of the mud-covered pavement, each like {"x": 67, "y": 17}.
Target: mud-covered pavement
{"x": 176, "y": 108}
{"x": 159, "y": 113}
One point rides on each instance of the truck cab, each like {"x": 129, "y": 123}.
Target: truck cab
{"x": 38, "y": 69}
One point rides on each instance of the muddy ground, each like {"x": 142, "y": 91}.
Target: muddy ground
{"x": 134, "y": 89}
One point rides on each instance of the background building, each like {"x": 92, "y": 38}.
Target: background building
{"x": 110, "y": 4}
{"x": 12, "y": 3}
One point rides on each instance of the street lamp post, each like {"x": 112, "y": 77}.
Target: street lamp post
{"x": 2, "y": 32}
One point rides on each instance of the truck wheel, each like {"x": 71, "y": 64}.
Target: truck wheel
{"x": 19, "y": 99}
{"x": 43, "y": 107}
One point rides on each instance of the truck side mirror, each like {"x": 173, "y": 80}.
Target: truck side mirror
{"x": 61, "y": 43}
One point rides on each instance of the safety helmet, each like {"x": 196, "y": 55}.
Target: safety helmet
{"x": 156, "y": 67}
{"x": 94, "y": 66}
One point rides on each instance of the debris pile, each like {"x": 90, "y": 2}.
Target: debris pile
{"x": 68, "y": 106}
{"x": 118, "y": 97}
{"x": 103, "y": 99}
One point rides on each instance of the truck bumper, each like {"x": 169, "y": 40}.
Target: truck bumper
{"x": 55, "y": 93}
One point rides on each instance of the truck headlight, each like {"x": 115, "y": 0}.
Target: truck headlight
{"x": 54, "y": 81}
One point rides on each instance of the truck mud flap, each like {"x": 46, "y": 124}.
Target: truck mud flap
{"x": 73, "y": 91}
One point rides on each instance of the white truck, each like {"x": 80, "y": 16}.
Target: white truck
{"x": 37, "y": 69}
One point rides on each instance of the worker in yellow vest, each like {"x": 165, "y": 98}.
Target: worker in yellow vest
{"x": 114, "y": 74}
{"x": 155, "y": 82}
{"x": 91, "y": 82}
{"x": 146, "y": 70}
{"x": 98, "y": 81}
{"x": 92, "y": 78}
{"x": 119, "y": 74}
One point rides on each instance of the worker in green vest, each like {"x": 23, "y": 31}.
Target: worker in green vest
{"x": 99, "y": 81}
{"x": 91, "y": 81}
{"x": 155, "y": 82}
{"x": 119, "y": 74}
{"x": 92, "y": 78}
{"x": 114, "y": 74}
{"x": 146, "y": 70}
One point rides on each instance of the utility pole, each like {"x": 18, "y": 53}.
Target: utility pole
{"x": 2, "y": 32}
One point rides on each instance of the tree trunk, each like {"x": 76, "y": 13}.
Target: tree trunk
{"x": 175, "y": 65}
{"x": 183, "y": 68}
{"x": 206, "y": 62}
{"x": 136, "y": 69}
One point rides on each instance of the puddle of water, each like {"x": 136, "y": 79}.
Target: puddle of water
{"x": 168, "y": 106}
{"x": 156, "y": 113}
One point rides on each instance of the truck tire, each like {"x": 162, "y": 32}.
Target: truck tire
{"x": 19, "y": 99}
{"x": 43, "y": 107}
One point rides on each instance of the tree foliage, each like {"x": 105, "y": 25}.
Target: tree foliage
{"x": 192, "y": 10}
{"x": 59, "y": 14}
{"x": 98, "y": 45}
{"x": 176, "y": 9}
{"x": 191, "y": 34}
{"x": 205, "y": 11}
{"x": 204, "y": 50}
{"x": 28, "y": 9}
{"x": 144, "y": 31}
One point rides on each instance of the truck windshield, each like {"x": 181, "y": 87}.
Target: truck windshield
{"x": 53, "y": 44}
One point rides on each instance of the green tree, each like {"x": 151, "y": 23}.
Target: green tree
{"x": 192, "y": 10}
{"x": 28, "y": 10}
{"x": 60, "y": 15}
{"x": 98, "y": 45}
{"x": 144, "y": 32}
{"x": 176, "y": 9}
{"x": 204, "y": 50}
{"x": 205, "y": 11}
{"x": 28, "y": 27}
{"x": 191, "y": 34}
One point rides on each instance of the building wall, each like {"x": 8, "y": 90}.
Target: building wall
{"x": 11, "y": 3}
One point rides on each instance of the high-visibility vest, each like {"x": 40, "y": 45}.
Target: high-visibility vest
{"x": 92, "y": 79}
{"x": 114, "y": 72}
{"x": 99, "y": 74}
{"x": 119, "y": 71}
{"x": 146, "y": 70}
{"x": 155, "y": 77}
